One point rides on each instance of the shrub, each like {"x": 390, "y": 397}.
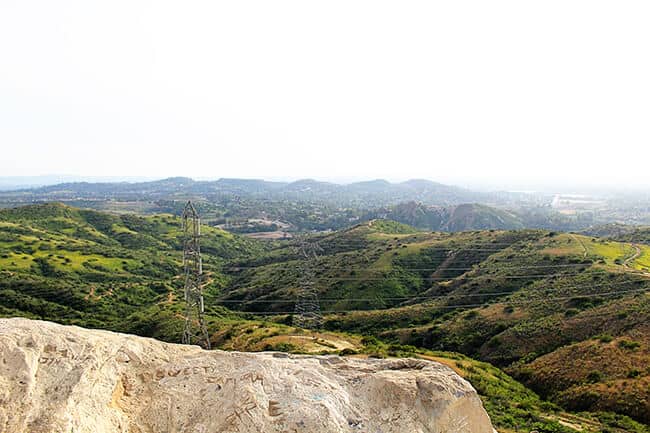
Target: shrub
{"x": 46, "y": 268}
{"x": 280, "y": 347}
{"x": 571, "y": 312}
{"x": 369, "y": 340}
{"x": 594, "y": 376}
{"x": 604, "y": 338}
{"x": 629, "y": 344}
{"x": 494, "y": 342}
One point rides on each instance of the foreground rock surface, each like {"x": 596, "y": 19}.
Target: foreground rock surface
{"x": 57, "y": 378}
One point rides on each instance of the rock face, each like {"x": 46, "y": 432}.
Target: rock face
{"x": 57, "y": 378}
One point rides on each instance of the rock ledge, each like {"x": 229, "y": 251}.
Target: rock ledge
{"x": 56, "y": 378}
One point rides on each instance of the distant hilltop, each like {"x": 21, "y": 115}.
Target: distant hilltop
{"x": 380, "y": 191}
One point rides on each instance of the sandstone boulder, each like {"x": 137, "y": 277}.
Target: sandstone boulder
{"x": 56, "y": 378}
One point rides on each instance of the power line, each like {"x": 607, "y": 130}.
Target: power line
{"x": 433, "y": 297}
{"x": 440, "y": 244}
{"x": 57, "y": 291}
{"x": 451, "y": 239}
{"x": 39, "y": 295}
{"x": 458, "y": 277}
{"x": 592, "y": 295}
{"x": 398, "y": 267}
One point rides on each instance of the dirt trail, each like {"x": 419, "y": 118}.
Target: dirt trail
{"x": 630, "y": 260}
{"x": 582, "y": 244}
{"x": 442, "y": 267}
{"x": 580, "y": 423}
{"x": 633, "y": 257}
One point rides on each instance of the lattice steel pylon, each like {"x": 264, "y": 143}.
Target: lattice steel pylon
{"x": 195, "y": 331}
{"x": 307, "y": 312}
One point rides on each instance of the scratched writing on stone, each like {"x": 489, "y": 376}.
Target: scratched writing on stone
{"x": 162, "y": 373}
{"x": 209, "y": 372}
{"x": 242, "y": 408}
{"x": 53, "y": 355}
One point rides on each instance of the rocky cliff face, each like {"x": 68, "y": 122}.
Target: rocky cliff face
{"x": 57, "y": 378}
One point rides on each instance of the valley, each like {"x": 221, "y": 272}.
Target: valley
{"x": 498, "y": 306}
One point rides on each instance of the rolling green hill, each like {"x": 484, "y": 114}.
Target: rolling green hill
{"x": 621, "y": 232}
{"x": 462, "y": 217}
{"x": 506, "y": 297}
{"x": 95, "y": 269}
{"x": 528, "y": 301}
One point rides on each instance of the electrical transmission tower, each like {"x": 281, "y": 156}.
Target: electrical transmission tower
{"x": 307, "y": 312}
{"x": 195, "y": 331}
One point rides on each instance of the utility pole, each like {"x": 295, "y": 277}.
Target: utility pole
{"x": 195, "y": 331}
{"x": 307, "y": 312}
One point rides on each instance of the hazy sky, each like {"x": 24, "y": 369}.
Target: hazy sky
{"x": 443, "y": 90}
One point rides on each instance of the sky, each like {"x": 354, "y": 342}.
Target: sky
{"x": 456, "y": 91}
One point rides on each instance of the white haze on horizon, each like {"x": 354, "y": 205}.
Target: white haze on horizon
{"x": 469, "y": 92}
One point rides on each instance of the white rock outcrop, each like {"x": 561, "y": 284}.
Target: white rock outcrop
{"x": 56, "y": 378}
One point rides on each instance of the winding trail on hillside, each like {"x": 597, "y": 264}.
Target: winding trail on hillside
{"x": 633, "y": 257}
{"x": 628, "y": 262}
{"x": 582, "y": 244}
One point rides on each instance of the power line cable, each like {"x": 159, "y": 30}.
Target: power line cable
{"x": 282, "y": 313}
{"x": 398, "y": 267}
{"x": 461, "y": 277}
{"x": 447, "y": 296}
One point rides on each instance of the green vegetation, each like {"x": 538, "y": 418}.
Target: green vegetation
{"x": 246, "y": 205}
{"x": 564, "y": 314}
{"x": 622, "y": 233}
{"x": 93, "y": 269}
{"x": 512, "y": 407}
{"x": 506, "y": 297}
